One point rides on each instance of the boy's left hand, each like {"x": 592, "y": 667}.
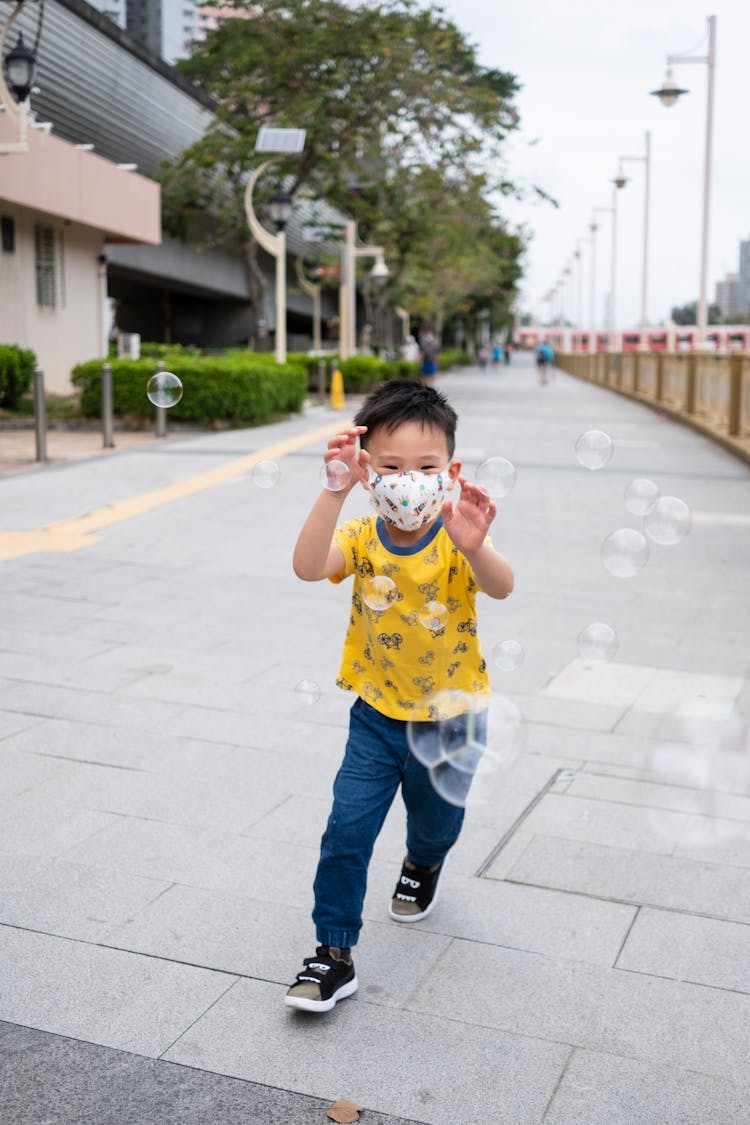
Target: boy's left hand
{"x": 468, "y": 523}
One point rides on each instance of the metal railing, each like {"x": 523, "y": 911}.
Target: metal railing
{"x": 708, "y": 391}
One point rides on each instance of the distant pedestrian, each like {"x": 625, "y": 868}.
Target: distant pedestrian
{"x": 545, "y": 357}
{"x": 410, "y": 350}
{"x": 430, "y": 350}
{"x": 431, "y": 547}
{"x": 507, "y": 354}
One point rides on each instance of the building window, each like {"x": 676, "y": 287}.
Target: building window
{"x": 45, "y": 266}
{"x": 61, "y": 269}
{"x": 8, "y": 234}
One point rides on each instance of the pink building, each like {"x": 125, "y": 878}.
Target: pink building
{"x": 59, "y": 206}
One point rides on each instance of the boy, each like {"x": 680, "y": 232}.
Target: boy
{"x": 434, "y": 550}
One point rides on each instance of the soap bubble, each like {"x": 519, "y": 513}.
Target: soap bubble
{"x": 466, "y": 734}
{"x": 625, "y": 552}
{"x": 434, "y": 616}
{"x": 508, "y": 655}
{"x": 597, "y": 641}
{"x": 379, "y": 592}
{"x": 164, "y": 389}
{"x": 668, "y": 521}
{"x": 496, "y": 476}
{"x": 308, "y": 692}
{"x": 335, "y": 475}
{"x": 594, "y": 449}
{"x": 640, "y": 496}
{"x": 266, "y": 474}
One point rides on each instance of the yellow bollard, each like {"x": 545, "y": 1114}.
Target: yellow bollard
{"x": 337, "y": 390}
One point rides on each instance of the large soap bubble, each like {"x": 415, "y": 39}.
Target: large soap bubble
{"x": 641, "y": 495}
{"x": 508, "y": 655}
{"x": 335, "y": 475}
{"x": 433, "y": 616}
{"x": 597, "y": 641}
{"x": 164, "y": 389}
{"x": 668, "y": 521}
{"x": 594, "y": 449}
{"x": 266, "y": 474}
{"x": 379, "y": 592}
{"x": 307, "y": 692}
{"x": 625, "y": 552}
{"x": 496, "y": 476}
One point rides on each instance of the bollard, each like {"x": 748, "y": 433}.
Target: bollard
{"x": 108, "y": 440}
{"x": 337, "y": 390}
{"x": 40, "y": 415}
{"x": 161, "y": 411}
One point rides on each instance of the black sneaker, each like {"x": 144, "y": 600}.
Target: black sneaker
{"x": 416, "y": 892}
{"x": 327, "y": 977}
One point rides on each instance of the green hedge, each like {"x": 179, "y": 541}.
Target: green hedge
{"x": 451, "y": 357}
{"x": 16, "y": 372}
{"x": 238, "y": 388}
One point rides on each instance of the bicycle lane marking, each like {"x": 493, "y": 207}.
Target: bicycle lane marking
{"x": 77, "y": 532}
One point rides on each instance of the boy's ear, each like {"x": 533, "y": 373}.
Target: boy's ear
{"x": 453, "y": 470}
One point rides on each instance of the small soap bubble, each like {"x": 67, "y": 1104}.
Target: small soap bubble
{"x": 308, "y": 692}
{"x": 625, "y": 552}
{"x": 335, "y": 476}
{"x": 594, "y": 449}
{"x": 266, "y": 474}
{"x": 434, "y": 616}
{"x": 597, "y": 641}
{"x": 379, "y": 592}
{"x": 164, "y": 389}
{"x": 640, "y": 496}
{"x": 508, "y": 655}
{"x": 496, "y": 476}
{"x": 668, "y": 521}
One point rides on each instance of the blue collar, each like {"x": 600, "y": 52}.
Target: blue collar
{"x": 382, "y": 529}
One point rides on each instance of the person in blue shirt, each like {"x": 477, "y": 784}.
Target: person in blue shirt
{"x": 545, "y": 357}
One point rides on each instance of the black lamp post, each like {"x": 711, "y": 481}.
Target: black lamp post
{"x": 19, "y": 64}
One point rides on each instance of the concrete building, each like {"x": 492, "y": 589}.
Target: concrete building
{"x": 97, "y": 86}
{"x": 733, "y": 293}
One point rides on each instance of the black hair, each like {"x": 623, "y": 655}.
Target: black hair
{"x": 406, "y": 400}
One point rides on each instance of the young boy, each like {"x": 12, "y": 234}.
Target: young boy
{"x": 433, "y": 550}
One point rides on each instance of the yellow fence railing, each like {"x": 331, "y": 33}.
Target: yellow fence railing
{"x": 708, "y": 391}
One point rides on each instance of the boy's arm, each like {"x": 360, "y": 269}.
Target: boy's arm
{"x": 316, "y": 556}
{"x": 467, "y": 524}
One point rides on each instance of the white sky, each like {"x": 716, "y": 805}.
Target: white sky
{"x": 587, "y": 67}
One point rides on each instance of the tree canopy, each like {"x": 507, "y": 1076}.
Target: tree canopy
{"x": 404, "y": 131}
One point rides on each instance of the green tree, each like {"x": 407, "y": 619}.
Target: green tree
{"x": 389, "y": 94}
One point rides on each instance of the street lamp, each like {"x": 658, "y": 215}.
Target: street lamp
{"x": 593, "y": 227}
{"x": 668, "y": 94}
{"x": 620, "y": 181}
{"x": 16, "y": 78}
{"x": 274, "y": 244}
{"x": 350, "y": 252}
{"x": 313, "y": 290}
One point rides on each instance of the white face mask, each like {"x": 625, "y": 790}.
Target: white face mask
{"x": 408, "y": 499}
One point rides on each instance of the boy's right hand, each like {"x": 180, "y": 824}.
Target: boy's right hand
{"x": 343, "y": 447}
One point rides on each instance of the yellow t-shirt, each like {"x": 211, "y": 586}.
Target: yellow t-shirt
{"x": 392, "y": 660}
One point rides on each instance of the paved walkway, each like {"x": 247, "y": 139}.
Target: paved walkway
{"x": 164, "y": 786}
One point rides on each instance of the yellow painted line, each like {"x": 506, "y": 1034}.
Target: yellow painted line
{"x": 78, "y": 531}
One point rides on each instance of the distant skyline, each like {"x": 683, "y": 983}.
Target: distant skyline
{"x": 587, "y": 68}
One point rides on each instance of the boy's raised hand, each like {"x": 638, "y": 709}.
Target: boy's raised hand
{"x": 469, "y": 521}
{"x": 343, "y": 447}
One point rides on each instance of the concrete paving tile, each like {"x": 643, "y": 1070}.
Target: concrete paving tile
{"x": 85, "y": 1084}
{"x": 196, "y": 799}
{"x": 541, "y": 708}
{"x": 687, "y": 786}
{"x": 34, "y": 828}
{"x": 598, "y": 1088}
{"x": 113, "y": 746}
{"x": 102, "y": 995}
{"x": 33, "y": 640}
{"x": 601, "y": 1009}
{"x": 638, "y": 877}
{"x": 12, "y": 723}
{"x": 21, "y": 773}
{"x": 67, "y": 898}
{"x": 249, "y": 1034}
{"x": 51, "y": 701}
{"x": 685, "y": 947}
{"x": 268, "y": 940}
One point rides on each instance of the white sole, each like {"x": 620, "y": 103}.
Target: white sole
{"x": 305, "y": 1005}
{"x": 424, "y": 913}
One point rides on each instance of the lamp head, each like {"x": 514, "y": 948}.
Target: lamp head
{"x": 380, "y": 271}
{"x": 620, "y": 179}
{"x": 19, "y": 64}
{"x": 280, "y": 206}
{"x": 669, "y": 91}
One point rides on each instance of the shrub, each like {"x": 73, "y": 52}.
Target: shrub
{"x": 451, "y": 357}
{"x": 16, "y": 372}
{"x": 238, "y": 388}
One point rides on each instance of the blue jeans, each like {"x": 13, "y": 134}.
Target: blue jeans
{"x": 376, "y": 762}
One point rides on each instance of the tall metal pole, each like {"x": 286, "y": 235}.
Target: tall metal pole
{"x": 702, "y": 302}
{"x": 275, "y": 244}
{"x": 593, "y": 227}
{"x": 644, "y": 265}
{"x": 612, "y": 275}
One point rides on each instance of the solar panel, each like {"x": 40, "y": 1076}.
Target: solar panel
{"x": 279, "y": 140}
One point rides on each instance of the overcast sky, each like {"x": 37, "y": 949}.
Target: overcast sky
{"x": 586, "y": 67}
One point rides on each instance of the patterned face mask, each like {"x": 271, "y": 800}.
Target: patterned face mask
{"x": 408, "y": 499}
